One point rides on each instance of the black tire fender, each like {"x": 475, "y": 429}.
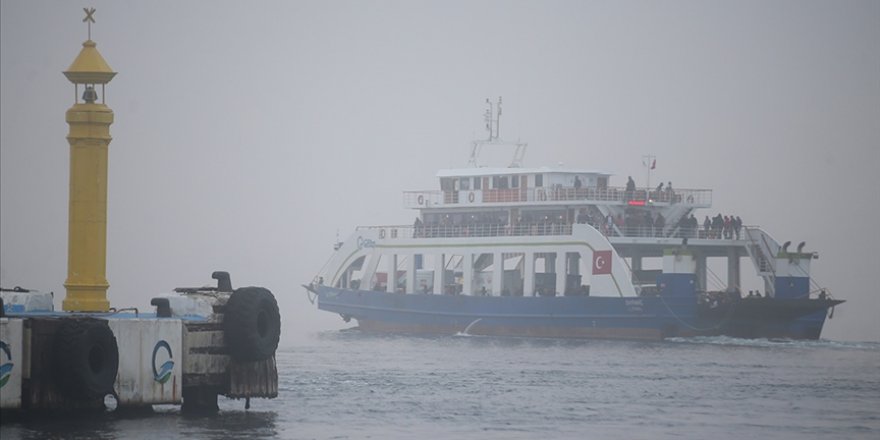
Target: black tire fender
{"x": 86, "y": 358}
{"x": 251, "y": 324}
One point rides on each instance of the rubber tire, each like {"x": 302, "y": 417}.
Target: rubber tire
{"x": 86, "y": 358}
{"x": 252, "y": 324}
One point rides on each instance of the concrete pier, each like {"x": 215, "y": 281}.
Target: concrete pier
{"x": 198, "y": 344}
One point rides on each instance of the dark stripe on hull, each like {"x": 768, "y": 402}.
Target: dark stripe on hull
{"x": 648, "y": 318}
{"x": 549, "y": 317}
{"x": 769, "y": 318}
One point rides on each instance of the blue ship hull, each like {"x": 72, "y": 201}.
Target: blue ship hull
{"x": 646, "y": 318}
{"x": 571, "y": 317}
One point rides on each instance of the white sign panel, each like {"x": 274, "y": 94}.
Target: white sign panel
{"x": 150, "y": 360}
{"x": 11, "y": 362}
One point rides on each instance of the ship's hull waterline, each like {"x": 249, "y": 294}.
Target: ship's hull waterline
{"x": 585, "y": 317}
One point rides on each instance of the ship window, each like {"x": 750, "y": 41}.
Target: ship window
{"x": 465, "y": 183}
{"x": 446, "y": 184}
{"x": 514, "y": 181}
{"x": 603, "y": 182}
{"x": 499, "y": 182}
{"x": 539, "y": 180}
{"x": 478, "y": 182}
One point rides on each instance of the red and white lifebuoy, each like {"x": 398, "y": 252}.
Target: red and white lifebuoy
{"x": 381, "y": 233}
{"x": 421, "y": 200}
{"x": 471, "y": 197}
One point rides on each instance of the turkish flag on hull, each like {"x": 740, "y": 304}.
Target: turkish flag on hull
{"x": 601, "y": 262}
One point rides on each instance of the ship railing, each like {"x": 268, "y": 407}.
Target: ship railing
{"x": 618, "y": 195}
{"x": 472, "y": 230}
{"x": 541, "y": 229}
{"x": 646, "y": 231}
{"x": 668, "y": 231}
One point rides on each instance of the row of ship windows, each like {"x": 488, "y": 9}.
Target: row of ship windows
{"x": 498, "y": 182}
{"x": 494, "y": 182}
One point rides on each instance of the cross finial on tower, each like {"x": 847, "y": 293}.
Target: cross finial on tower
{"x": 90, "y": 18}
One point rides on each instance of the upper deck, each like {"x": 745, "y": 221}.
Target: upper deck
{"x": 645, "y": 242}
{"x": 485, "y": 187}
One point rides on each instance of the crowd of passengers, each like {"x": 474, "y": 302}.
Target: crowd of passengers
{"x": 646, "y": 224}
{"x": 727, "y": 226}
{"x": 663, "y": 193}
{"x": 629, "y": 224}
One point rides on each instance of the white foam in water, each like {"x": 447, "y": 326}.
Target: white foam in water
{"x": 775, "y": 343}
{"x": 468, "y": 328}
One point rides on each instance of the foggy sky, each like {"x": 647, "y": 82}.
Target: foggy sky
{"x": 248, "y": 134}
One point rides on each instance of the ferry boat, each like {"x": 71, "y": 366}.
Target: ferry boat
{"x": 559, "y": 252}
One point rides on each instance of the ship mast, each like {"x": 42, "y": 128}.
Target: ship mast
{"x": 492, "y": 117}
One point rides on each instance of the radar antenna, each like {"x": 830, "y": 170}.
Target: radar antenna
{"x": 492, "y": 118}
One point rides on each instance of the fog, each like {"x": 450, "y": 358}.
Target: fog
{"x": 248, "y": 134}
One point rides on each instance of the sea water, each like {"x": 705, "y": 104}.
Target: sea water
{"x": 350, "y": 385}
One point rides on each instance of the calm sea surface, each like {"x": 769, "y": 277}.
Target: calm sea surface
{"x": 346, "y": 384}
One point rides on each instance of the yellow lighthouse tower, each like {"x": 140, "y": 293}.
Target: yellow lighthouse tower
{"x": 89, "y": 138}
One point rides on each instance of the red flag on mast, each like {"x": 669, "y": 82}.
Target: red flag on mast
{"x": 654, "y": 164}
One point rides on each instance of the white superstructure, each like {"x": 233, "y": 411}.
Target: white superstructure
{"x": 535, "y": 231}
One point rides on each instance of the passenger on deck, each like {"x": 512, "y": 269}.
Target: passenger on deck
{"x": 717, "y": 225}
{"x": 630, "y": 188}
{"x": 577, "y": 182}
{"x": 659, "y": 224}
{"x": 644, "y": 224}
{"x": 417, "y": 228}
{"x": 682, "y": 227}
